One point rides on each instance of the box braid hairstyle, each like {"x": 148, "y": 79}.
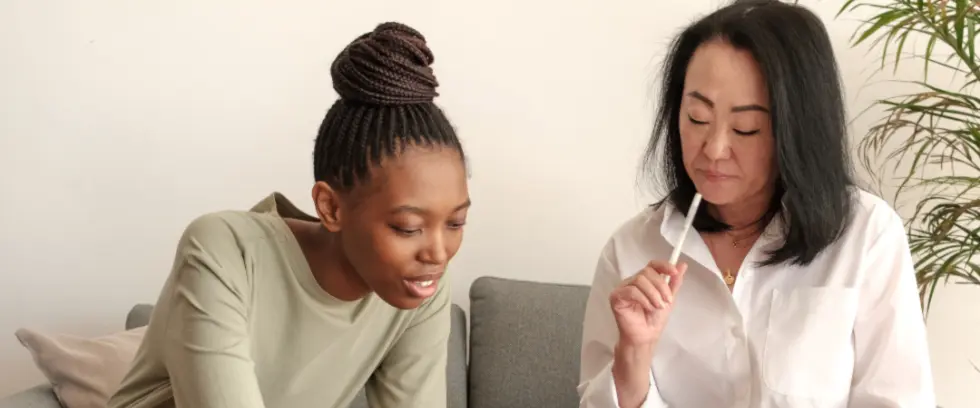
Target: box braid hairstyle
{"x": 386, "y": 88}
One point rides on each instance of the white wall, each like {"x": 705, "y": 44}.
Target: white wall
{"x": 122, "y": 120}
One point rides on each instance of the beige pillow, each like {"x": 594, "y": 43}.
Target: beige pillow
{"x": 84, "y": 372}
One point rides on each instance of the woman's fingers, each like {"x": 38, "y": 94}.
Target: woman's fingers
{"x": 632, "y": 294}
{"x": 649, "y": 289}
{"x": 663, "y": 268}
{"x": 653, "y": 287}
{"x": 677, "y": 280}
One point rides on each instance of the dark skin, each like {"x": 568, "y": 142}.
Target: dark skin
{"x": 399, "y": 227}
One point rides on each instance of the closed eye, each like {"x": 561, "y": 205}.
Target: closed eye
{"x": 738, "y": 132}
{"x": 404, "y": 231}
{"x": 746, "y": 132}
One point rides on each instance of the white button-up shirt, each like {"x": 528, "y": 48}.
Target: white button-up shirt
{"x": 845, "y": 331}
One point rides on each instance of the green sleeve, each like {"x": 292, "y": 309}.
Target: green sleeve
{"x": 206, "y": 346}
{"x": 413, "y": 374}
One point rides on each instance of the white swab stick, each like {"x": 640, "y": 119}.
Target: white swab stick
{"x": 693, "y": 210}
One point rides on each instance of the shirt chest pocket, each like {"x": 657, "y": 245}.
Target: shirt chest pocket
{"x": 809, "y": 350}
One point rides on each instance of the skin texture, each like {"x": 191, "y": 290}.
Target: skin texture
{"x": 405, "y": 222}
{"x": 728, "y": 149}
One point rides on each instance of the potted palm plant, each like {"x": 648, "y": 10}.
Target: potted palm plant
{"x": 927, "y": 141}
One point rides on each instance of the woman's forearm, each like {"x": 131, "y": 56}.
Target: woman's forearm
{"x": 631, "y": 373}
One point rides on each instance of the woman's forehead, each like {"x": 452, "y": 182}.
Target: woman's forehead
{"x": 722, "y": 73}
{"x": 419, "y": 177}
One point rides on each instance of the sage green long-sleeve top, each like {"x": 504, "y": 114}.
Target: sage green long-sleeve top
{"x": 242, "y": 323}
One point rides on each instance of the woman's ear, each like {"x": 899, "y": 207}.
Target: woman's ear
{"x": 327, "y": 202}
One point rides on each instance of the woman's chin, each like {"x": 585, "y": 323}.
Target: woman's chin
{"x": 716, "y": 196}
{"x": 402, "y": 302}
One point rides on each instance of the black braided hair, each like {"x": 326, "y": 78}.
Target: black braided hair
{"x": 386, "y": 88}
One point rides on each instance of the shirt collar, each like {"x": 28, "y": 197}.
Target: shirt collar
{"x": 673, "y": 223}
{"x": 277, "y": 203}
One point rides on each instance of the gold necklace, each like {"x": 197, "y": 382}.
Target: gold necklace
{"x": 753, "y": 228}
{"x": 727, "y": 276}
{"x": 736, "y": 239}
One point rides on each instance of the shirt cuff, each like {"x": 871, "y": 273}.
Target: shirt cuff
{"x": 600, "y": 392}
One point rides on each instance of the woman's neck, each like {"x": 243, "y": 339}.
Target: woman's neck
{"x": 743, "y": 214}
{"x": 328, "y": 261}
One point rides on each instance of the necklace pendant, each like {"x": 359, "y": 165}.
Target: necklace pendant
{"x": 729, "y": 279}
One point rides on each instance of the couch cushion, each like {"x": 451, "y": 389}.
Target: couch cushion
{"x": 525, "y": 340}
{"x": 456, "y": 371}
{"x": 41, "y": 396}
{"x": 83, "y": 372}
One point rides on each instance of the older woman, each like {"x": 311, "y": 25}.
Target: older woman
{"x": 798, "y": 289}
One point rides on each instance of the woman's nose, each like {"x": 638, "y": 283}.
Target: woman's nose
{"x": 718, "y": 146}
{"x": 435, "y": 252}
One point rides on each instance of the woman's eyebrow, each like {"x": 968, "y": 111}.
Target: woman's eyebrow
{"x": 741, "y": 108}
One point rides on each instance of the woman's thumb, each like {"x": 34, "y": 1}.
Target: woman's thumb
{"x": 676, "y": 281}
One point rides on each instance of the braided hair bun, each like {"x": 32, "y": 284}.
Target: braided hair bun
{"x": 386, "y": 105}
{"x": 388, "y": 66}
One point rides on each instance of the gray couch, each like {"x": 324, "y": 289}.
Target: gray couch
{"x": 524, "y": 341}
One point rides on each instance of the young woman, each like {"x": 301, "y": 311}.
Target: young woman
{"x": 276, "y": 308}
{"x": 797, "y": 289}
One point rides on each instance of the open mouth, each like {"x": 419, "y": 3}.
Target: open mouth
{"x": 422, "y": 287}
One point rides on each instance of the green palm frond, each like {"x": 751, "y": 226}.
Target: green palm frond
{"x": 928, "y": 141}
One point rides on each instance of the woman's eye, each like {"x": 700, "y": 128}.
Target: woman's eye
{"x": 457, "y": 224}
{"x": 404, "y": 231}
{"x": 695, "y": 121}
{"x": 746, "y": 132}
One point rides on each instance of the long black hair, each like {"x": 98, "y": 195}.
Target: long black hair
{"x": 815, "y": 178}
{"x": 386, "y": 88}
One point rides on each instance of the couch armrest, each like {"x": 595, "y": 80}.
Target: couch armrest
{"x": 457, "y": 377}
{"x": 41, "y": 396}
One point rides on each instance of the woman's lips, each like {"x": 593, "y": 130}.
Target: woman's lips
{"x": 423, "y": 286}
{"x": 715, "y": 175}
